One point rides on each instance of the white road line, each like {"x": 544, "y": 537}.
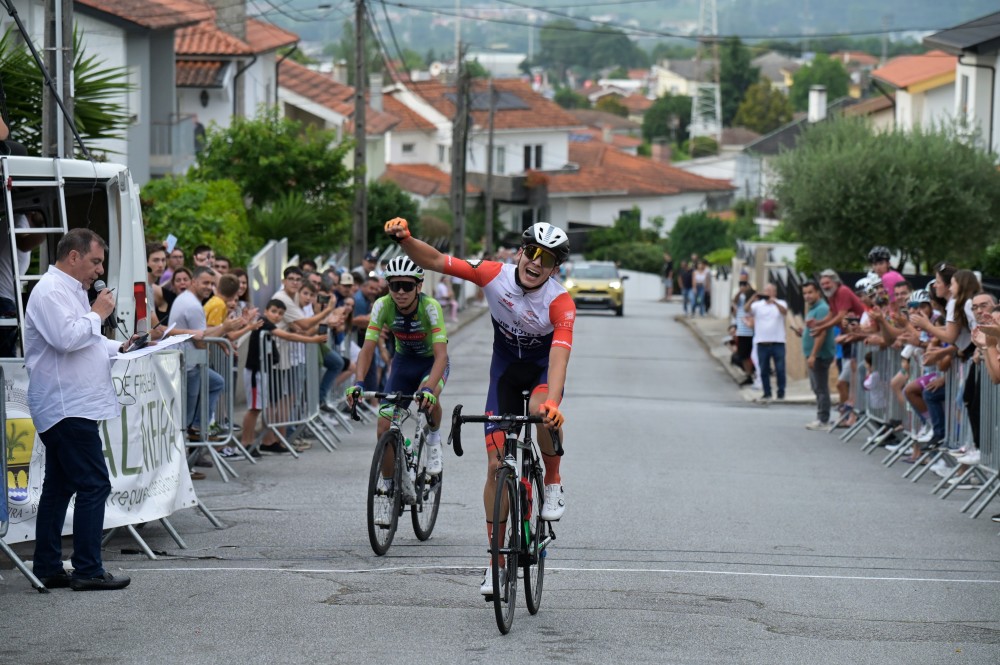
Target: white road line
{"x": 394, "y": 569}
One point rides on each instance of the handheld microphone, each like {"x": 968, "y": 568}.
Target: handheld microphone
{"x": 99, "y": 285}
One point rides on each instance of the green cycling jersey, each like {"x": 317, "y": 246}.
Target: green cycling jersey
{"x": 416, "y": 333}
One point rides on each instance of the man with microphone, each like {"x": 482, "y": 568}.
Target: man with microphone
{"x": 69, "y": 391}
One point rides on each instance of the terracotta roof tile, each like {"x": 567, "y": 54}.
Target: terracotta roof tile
{"x": 870, "y": 106}
{"x": 636, "y": 103}
{"x": 617, "y": 140}
{"x": 152, "y": 14}
{"x": 409, "y": 120}
{"x": 206, "y": 38}
{"x": 200, "y": 73}
{"x": 604, "y": 169}
{"x": 263, "y": 37}
{"x": 856, "y": 57}
{"x": 533, "y": 110}
{"x": 907, "y": 70}
{"x": 339, "y": 98}
{"x": 594, "y": 118}
{"x": 422, "y": 179}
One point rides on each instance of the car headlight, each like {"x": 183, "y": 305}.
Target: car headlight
{"x": 569, "y": 284}
{"x": 615, "y": 284}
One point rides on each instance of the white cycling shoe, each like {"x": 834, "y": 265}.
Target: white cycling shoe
{"x": 486, "y": 588}
{"x": 555, "y": 503}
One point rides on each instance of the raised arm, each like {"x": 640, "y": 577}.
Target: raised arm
{"x": 422, "y": 254}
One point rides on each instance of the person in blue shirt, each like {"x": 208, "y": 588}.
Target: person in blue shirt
{"x": 819, "y": 348}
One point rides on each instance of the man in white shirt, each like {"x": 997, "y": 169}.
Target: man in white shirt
{"x": 69, "y": 391}
{"x": 769, "y": 337}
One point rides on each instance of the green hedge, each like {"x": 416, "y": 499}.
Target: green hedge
{"x": 640, "y": 256}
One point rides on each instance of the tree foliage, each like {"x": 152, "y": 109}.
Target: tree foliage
{"x": 925, "y": 195}
{"x": 627, "y": 243}
{"x": 698, "y": 233}
{"x": 97, "y": 91}
{"x": 271, "y": 158}
{"x": 385, "y": 201}
{"x": 821, "y": 71}
{"x": 612, "y": 104}
{"x": 343, "y": 50}
{"x": 207, "y": 212}
{"x": 764, "y": 108}
{"x": 668, "y": 117}
{"x": 565, "y": 45}
{"x": 568, "y": 99}
{"x": 736, "y": 75}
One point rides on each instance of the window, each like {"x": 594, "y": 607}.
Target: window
{"x": 532, "y": 157}
{"x": 963, "y": 91}
{"x": 409, "y": 148}
{"x": 501, "y": 160}
{"x": 442, "y": 154}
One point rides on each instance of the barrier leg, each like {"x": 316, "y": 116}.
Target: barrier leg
{"x": 982, "y": 490}
{"x": 934, "y": 457}
{"x": 989, "y": 497}
{"x": 20, "y": 565}
{"x": 320, "y": 432}
{"x": 941, "y": 483}
{"x": 904, "y": 447}
{"x": 961, "y": 479}
{"x": 210, "y": 515}
{"x": 173, "y": 533}
{"x": 862, "y": 422}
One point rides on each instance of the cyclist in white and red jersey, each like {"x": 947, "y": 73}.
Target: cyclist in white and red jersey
{"x": 533, "y": 318}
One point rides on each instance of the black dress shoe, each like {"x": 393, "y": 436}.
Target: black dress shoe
{"x": 106, "y": 582}
{"x": 57, "y": 581}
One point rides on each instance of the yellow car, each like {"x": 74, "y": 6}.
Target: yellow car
{"x": 597, "y": 284}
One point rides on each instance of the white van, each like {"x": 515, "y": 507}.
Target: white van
{"x": 72, "y": 193}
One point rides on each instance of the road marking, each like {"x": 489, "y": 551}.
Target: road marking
{"x": 672, "y": 571}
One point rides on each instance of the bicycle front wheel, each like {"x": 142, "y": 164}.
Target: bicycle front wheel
{"x": 533, "y": 529}
{"x": 504, "y": 548}
{"x": 384, "y": 494}
{"x": 424, "y": 512}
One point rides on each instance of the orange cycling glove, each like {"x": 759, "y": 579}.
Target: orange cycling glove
{"x": 551, "y": 411}
{"x": 397, "y": 228}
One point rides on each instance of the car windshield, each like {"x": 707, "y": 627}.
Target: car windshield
{"x": 595, "y": 272}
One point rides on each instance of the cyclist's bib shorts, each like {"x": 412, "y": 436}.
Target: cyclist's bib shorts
{"x": 406, "y": 373}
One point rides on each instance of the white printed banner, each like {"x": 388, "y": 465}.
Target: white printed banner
{"x": 144, "y": 448}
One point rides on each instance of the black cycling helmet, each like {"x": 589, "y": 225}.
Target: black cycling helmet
{"x": 549, "y": 237}
{"x": 879, "y": 253}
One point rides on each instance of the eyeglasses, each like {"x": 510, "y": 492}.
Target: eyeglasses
{"x": 405, "y": 287}
{"x": 532, "y": 252}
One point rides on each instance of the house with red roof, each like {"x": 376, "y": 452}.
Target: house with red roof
{"x": 976, "y": 45}
{"x": 923, "y": 87}
{"x": 548, "y": 165}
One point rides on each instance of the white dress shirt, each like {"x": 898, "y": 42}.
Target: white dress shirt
{"x": 67, "y": 358}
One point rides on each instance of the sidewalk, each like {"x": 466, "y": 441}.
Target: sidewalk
{"x": 711, "y": 332}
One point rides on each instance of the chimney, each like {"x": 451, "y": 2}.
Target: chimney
{"x": 340, "y": 72}
{"x": 375, "y": 91}
{"x": 231, "y": 17}
{"x": 606, "y": 133}
{"x": 817, "y": 103}
{"x": 661, "y": 151}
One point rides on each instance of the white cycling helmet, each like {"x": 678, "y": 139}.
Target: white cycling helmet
{"x": 920, "y": 297}
{"x": 550, "y": 237}
{"x": 403, "y": 266}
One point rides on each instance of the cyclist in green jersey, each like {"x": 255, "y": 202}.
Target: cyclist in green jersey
{"x": 421, "y": 360}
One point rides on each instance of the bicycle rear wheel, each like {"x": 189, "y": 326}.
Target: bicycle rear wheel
{"x": 425, "y": 511}
{"x": 504, "y": 545}
{"x": 534, "y": 563}
{"x": 384, "y": 504}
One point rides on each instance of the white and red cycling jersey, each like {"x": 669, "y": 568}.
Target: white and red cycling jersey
{"x": 526, "y": 323}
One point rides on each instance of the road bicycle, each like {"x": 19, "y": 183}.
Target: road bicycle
{"x": 519, "y": 494}
{"x": 386, "y": 501}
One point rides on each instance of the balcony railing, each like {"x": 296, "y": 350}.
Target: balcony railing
{"x": 172, "y": 146}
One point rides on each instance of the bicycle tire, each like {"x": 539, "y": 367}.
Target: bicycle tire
{"x": 384, "y": 504}
{"x": 505, "y": 542}
{"x": 424, "y": 512}
{"x": 534, "y": 564}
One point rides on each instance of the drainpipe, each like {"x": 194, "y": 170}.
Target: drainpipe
{"x": 993, "y": 89}
{"x": 277, "y": 65}
{"x": 239, "y": 73}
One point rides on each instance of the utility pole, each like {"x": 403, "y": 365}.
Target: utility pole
{"x": 706, "y": 102}
{"x": 359, "y": 244}
{"x": 489, "y": 173}
{"x": 459, "y": 139}
{"x": 59, "y": 60}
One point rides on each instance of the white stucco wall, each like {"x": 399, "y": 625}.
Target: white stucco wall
{"x": 555, "y": 149}
{"x": 425, "y": 149}
{"x": 982, "y": 99}
{"x": 603, "y": 211}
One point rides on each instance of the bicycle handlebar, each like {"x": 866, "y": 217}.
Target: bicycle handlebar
{"x": 457, "y": 420}
{"x": 391, "y": 398}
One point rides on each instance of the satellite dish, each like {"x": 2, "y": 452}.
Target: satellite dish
{"x": 436, "y": 69}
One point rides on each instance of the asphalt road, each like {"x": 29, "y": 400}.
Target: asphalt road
{"x": 699, "y": 529}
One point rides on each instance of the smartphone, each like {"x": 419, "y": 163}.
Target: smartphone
{"x": 323, "y": 329}
{"x": 140, "y": 342}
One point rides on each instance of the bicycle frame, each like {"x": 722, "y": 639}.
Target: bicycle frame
{"x": 399, "y": 416}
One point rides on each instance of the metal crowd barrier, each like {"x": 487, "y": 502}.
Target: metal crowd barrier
{"x": 858, "y": 396}
{"x": 989, "y": 443}
{"x": 911, "y": 420}
{"x": 4, "y": 513}
{"x": 291, "y": 392}
{"x": 219, "y": 356}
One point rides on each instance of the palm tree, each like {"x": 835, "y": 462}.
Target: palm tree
{"x": 97, "y": 112}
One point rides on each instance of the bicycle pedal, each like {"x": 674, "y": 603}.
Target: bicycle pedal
{"x": 489, "y": 598}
